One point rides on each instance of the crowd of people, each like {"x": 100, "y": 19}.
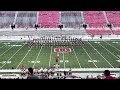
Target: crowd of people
{"x": 46, "y": 73}
{"x": 55, "y": 73}
{"x": 48, "y": 41}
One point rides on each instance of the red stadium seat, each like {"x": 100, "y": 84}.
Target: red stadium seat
{"x": 95, "y": 18}
{"x": 49, "y": 19}
{"x": 98, "y": 32}
{"x": 113, "y": 17}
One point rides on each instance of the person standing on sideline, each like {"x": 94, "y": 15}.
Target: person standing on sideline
{"x": 57, "y": 59}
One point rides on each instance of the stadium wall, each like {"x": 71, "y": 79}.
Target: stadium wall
{"x": 84, "y": 37}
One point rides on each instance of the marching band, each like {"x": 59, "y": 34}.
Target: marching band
{"x": 48, "y": 41}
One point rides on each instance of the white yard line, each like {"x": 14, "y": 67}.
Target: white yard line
{"x": 76, "y": 57}
{"x": 108, "y": 51}
{"x": 90, "y": 58}
{"x": 23, "y": 58}
{"x": 37, "y": 56}
{"x": 64, "y": 60}
{"x": 13, "y": 55}
{"x": 111, "y": 45}
{"x": 50, "y": 56}
{"x": 102, "y": 56}
{"x": 7, "y": 50}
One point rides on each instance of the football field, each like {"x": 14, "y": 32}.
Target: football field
{"x": 95, "y": 54}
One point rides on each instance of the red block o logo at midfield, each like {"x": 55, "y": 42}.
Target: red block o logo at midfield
{"x": 62, "y": 50}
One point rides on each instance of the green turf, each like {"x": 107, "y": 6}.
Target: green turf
{"x": 106, "y": 54}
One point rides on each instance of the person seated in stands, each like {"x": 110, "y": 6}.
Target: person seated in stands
{"x": 55, "y": 75}
{"x": 41, "y": 70}
{"x": 53, "y": 71}
{"x": 107, "y": 75}
{"x": 45, "y": 70}
{"x": 87, "y": 77}
{"x": 35, "y": 70}
{"x": 31, "y": 75}
{"x": 65, "y": 73}
{"x": 98, "y": 77}
{"x": 48, "y": 71}
{"x": 70, "y": 72}
{"x": 38, "y": 72}
{"x": 92, "y": 77}
{"x": 50, "y": 76}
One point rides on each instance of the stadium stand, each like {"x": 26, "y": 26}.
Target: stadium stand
{"x": 98, "y": 32}
{"x": 95, "y": 18}
{"x": 26, "y": 19}
{"x": 117, "y": 32}
{"x": 71, "y": 19}
{"x": 57, "y": 73}
{"x": 48, "y": 19}
{"x": 113, "y": 17}
{"x": 6, "y": 18}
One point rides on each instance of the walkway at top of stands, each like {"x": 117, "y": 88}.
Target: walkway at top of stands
{"x": 33, "y": 29}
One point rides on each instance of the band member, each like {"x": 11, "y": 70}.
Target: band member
{"x": 23, "y": 67}
{"x": 57, "y": 59}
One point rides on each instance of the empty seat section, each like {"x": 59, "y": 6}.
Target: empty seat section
{"x": 117, "y": 32}
{"x": 49, "y": 19}
{"x": 94, "y": 18}
{"x": 98, "y": 32}
{"x": 6, "y": 18}
{"x": 71, "y": 19}
{"x": 113, "y": 17}
{"x": 26, "y": 19}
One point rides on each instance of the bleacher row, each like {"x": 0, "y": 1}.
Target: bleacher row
{"x": 103, "y": 32}
{"x": 48, "y": 19}
{"x": 70, "y": 19}
{"x": 113, "y": 17}
{"x": 95, "y": 18}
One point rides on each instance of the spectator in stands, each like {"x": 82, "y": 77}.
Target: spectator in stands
{"x": 107, "y": 75}
{"x": 87, "y": 77}
{"x": 50, "y": 76}
{"x": 98, "y": 77}
{"x": 70, "y": 72}
{"x": 31, "y": 75}
{"x": 65, "y": 73}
